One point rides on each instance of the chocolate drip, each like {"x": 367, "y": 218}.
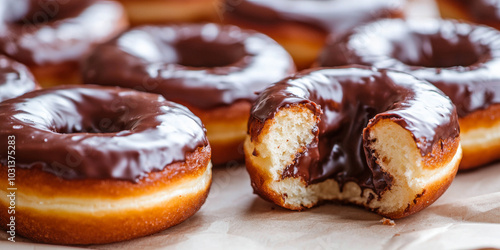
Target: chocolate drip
{"x": 349, "y": 101}
{"x": 41, "y": 32}
{"x": 200, "y": 65}
{"x": 332, "y": 16}
{"x": 15, "y": 79}
{"x": 462, "y": 60}
{"x": 97, "y": 132}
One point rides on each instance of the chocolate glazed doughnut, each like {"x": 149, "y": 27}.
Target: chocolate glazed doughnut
{"x": 461, "y": 59}
{"x": 301, "y": 26}
{"x": 15, "y": 79}
{"x": 380, "y": 139}
{"x": 478, "y": 11}
{"x": 213, "y": 70}
{"x": 100, "y": 164}
{"x": 170, "y": 11}
{"x": 51, "y": 36}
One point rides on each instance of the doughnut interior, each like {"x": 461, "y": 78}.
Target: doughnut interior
{"x": 416, "y": 178}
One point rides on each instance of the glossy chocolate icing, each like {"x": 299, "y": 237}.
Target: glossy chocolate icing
{"x": 40, "y": 32}
{"x": 15, "y": 79}
{"x": 482, "y": 10}
{"x": 331, "y": 16}
{"x": 98, "y": 132}
{"x": 201, "y": 65}
{"x": 349, "y": 100}
{"x": 462, "y": 60}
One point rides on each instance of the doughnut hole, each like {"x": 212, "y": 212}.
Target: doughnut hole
{"x": 99, "y": 123}
{"x": 438, "y": 51}
{"x": 68, "y": 120}
{"x": 215, "y": 54}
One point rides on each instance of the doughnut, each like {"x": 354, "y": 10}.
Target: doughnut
{"x": 301, "y": 26}
{"x": 15, "y": 79}
{"x": 461, "y": 59}
{"x": 95, "y": 164}
{"x": 51, "y": 36}
{"x": 168, "y": 11}
{"x": 213, "y": 70}
{"x": 485, "y": 12}
{"x": 380, "y": 139}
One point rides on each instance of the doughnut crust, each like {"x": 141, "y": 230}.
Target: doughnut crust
{"x": 169, "y": 11}
{"x": 480, "y": 137}
{"x": 53, "y": 210}
{"x": 226, "y": 130}
{"x": 415, "y": 180}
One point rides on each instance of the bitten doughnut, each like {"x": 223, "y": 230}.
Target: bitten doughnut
{"x": 167, "y": 11}
{"x": 51, "y": 37}
{"x": 99, "y": 164}
{"x": 478, "y": 11}
{"x": 461, "y": 59}
{"x": 213, "y": 70}
{"x": 301, "y": 26}
{"x": 380, "y": 139}
{"x": 15, "y": 79}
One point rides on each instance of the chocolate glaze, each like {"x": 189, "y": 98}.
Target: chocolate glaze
{"x": 482, "y": 10}
{"x": 348, "y": 101}
{"x": 331, "y": 16}
{"x": 202, "y": 65}
{"x": 15, "y": 79}
{"x": 40, "y": 32}
{"x": 462, "y": 60}
{"x": 98, "y": 132}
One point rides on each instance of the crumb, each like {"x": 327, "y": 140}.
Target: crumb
{"x": 387, "y": 222}
{"x": 397, "y": 234}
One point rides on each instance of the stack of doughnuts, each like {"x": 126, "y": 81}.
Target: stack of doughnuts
{"x": 214, "y": 70}
{"x": 461, "y": 59}
{"x": 302, "y": 26}
{"x": 52, "y": 36}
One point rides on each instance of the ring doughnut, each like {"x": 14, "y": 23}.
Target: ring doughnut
{"x": 461, "y": 59}
{"x": 211, "y": 69}
{"x": 301, "y": 26}
{"x": 116, "y": 164}
{"x": 380, "y": 139}
{"x": 51, "y": 36}
{"x": 168, "y": 11}
{"x": 15, "y": 79}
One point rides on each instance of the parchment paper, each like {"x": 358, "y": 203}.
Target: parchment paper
{"x": 467, "y": 216}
